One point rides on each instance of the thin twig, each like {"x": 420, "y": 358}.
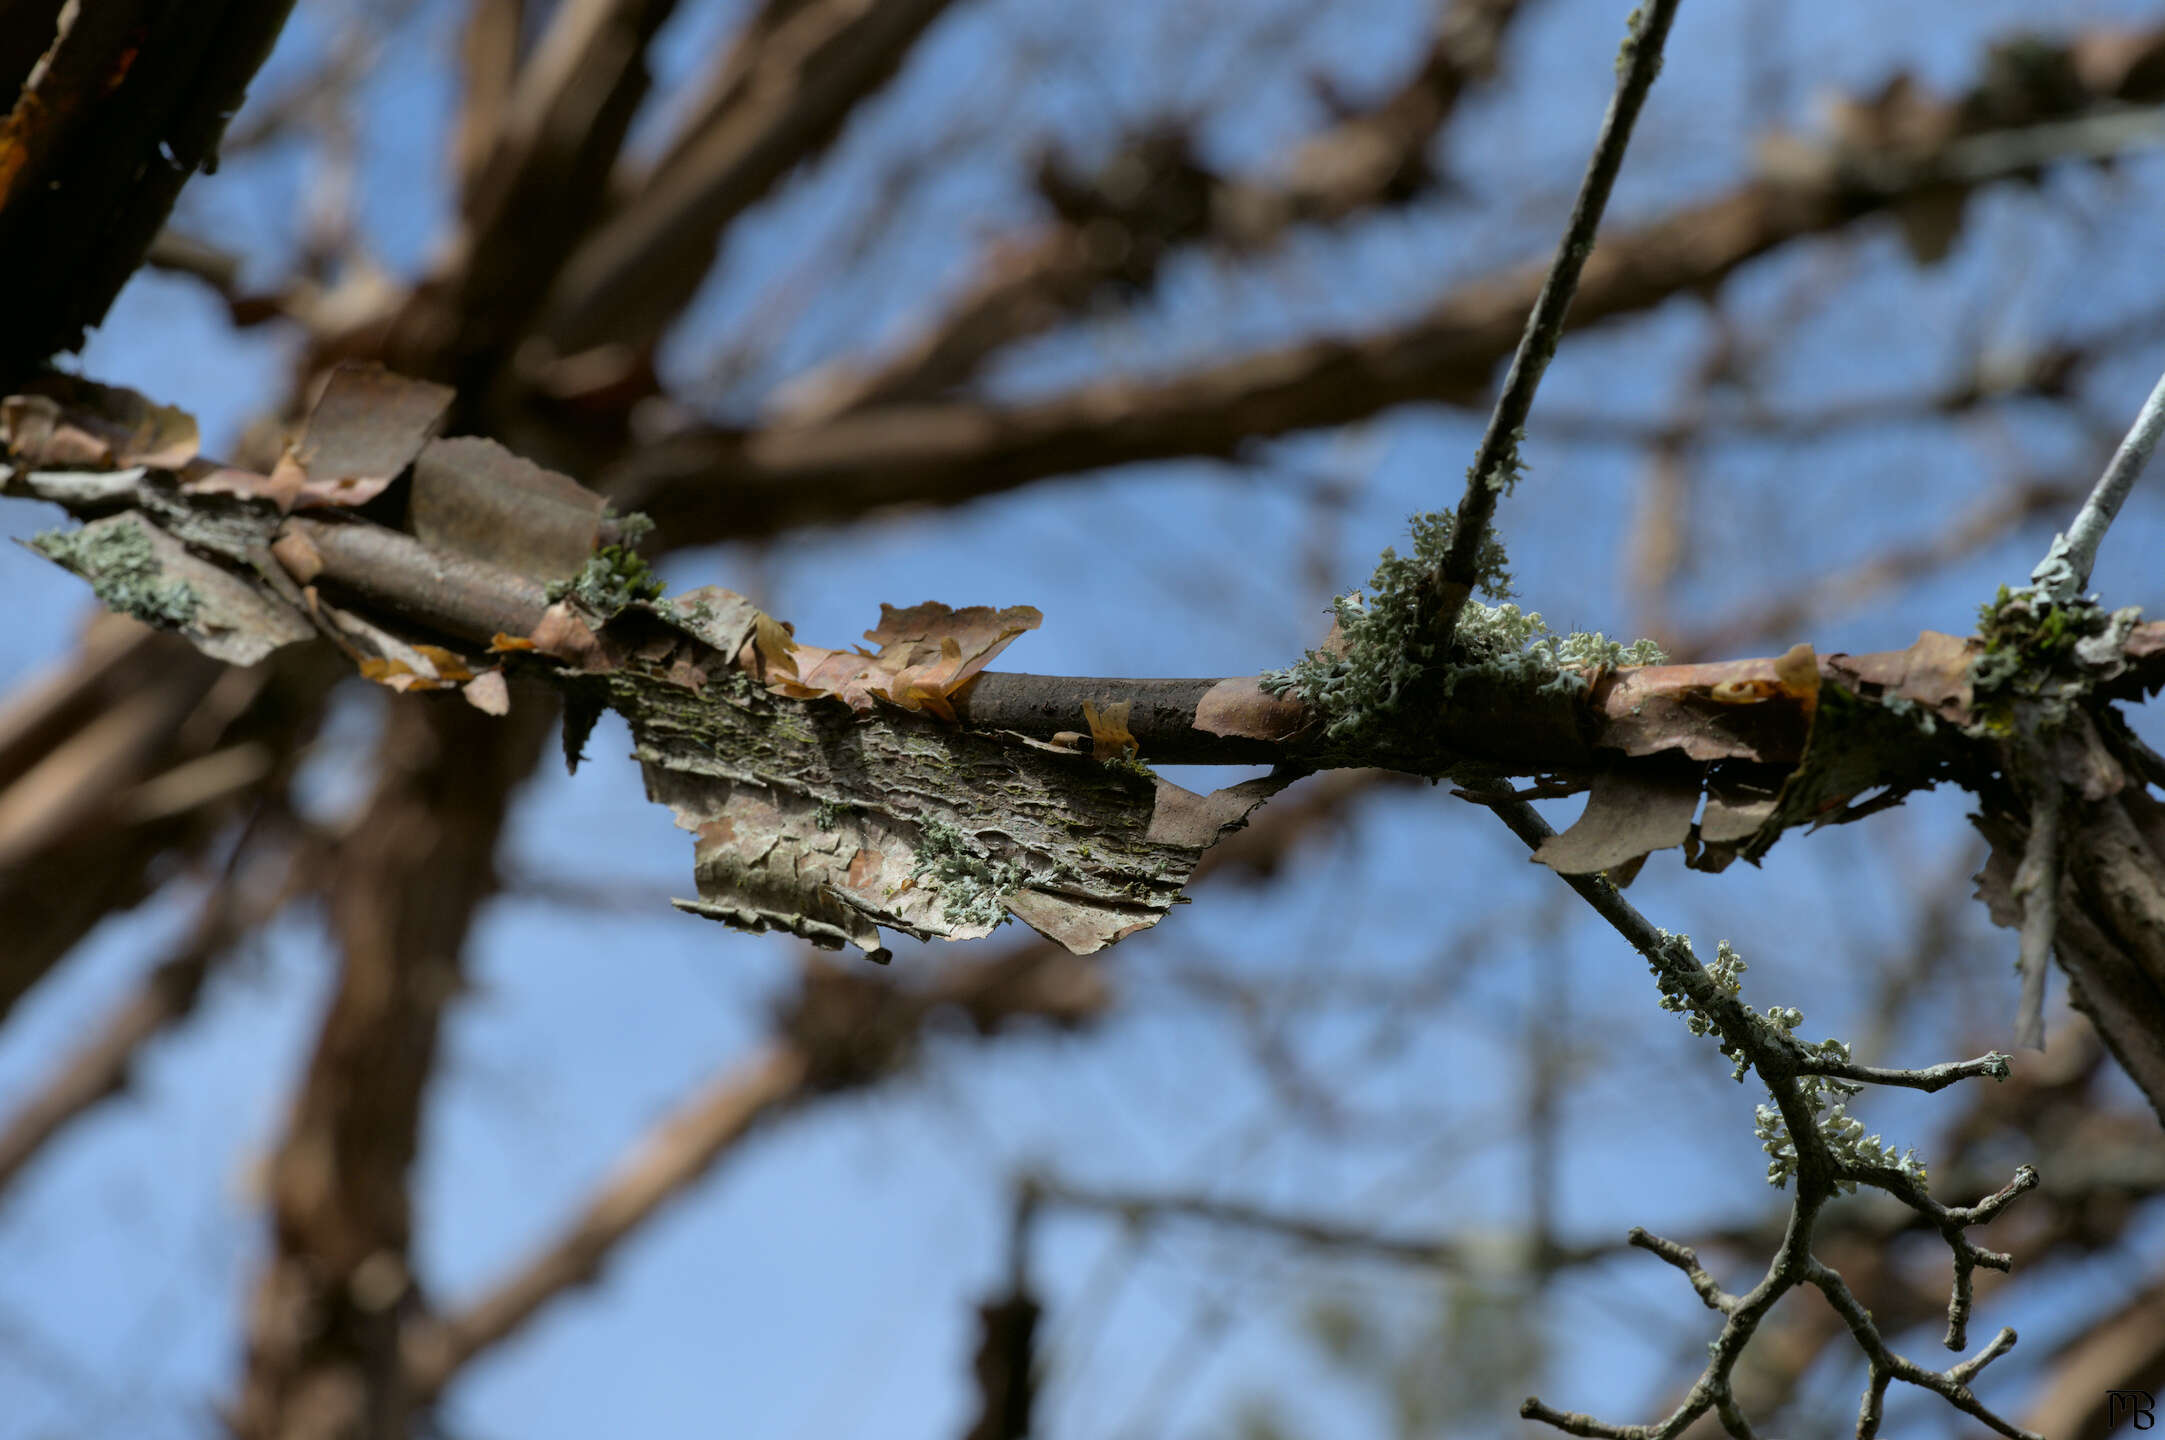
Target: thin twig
{"x": 1819, "y": 1172}
{"x": 2091, "y": 522}
{"x": 1928, "y": 1078}
{"x": 1048, "y": 1193}
{"x": 1496, "y": 462}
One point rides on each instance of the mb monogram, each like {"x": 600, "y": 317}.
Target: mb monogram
{"x": 2135, "y": 1406}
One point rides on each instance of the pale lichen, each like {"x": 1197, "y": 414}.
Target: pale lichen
{"x": 1359, "y": 684}
{"x": 974, "y": 888}
{"x": 1824, "y": 1096}
{"x": 123, "y": 571}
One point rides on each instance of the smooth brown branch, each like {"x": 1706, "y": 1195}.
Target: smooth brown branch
{"x": 683, "y": 1148}
{"x": 100, "y": 1066}
{"x": 1153, "y": 200}
{"x": 1495, "y": 463}
{"x": 846, "y": 1029}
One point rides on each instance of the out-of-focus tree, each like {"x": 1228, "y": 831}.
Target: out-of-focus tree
{"x": 1166, "y": 314}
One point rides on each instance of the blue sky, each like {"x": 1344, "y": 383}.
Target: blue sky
{"x": 820, "y": 1283}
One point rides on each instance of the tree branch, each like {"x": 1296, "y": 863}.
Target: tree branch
{"x": 781, "y": 95}
{"x": 1153, "y": 200}
{"x": 845, "y": 1030}
{"x": 1445, "y": 590}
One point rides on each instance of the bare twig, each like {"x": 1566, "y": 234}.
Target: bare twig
{"x": 1495, "y": 463}
{"x": 1048, "y": 1192}
{"x": 1819, "y": 1169}
{"x": 2084, "y": 536}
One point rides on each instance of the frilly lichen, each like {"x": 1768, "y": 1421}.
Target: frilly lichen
{"x": 614, "y": 575}
{"x": 123, "y": 571}
{"x": 1843, "y": 1133}
{"x": 1824, "y": 1095}
{"x": 1359, "y": 688}
{"x": 2046, "y": 643}
{"x": 974, "y": 888}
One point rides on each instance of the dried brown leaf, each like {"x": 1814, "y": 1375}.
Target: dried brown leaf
{"x": 299, "y": 555}
{"x": 488, "y": 693}
{"x": 1630, "y": 812}
{"x": 1109, "y": 737}
{"x": 563, "y": 635}
{"x": 366, "y": 427}
{"x": 70, "y": 422}
{"x": 775, "y": 646}
{"x": 472, "y": 496}
{"x": 926, "y": 654}
{"x": 1244, "y": 708}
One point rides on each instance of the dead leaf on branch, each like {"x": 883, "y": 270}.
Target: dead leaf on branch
{"x": 473, "y": 496}
{"x": 1628, "y": 814}
{"x": 1109, "y": 737}
{"x": 366, "y": 427}
{"x": 63, "y": 422}
{"x": 926, "y": 654}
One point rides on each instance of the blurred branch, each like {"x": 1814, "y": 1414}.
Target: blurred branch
{"x": 2124, "y": 1351}
{"x": 99, "y": 1066}
{"x": 1135, "y": 1207}
{"x": 844, "y": 1030}
{"x": 1116, "y": 228}
{"x": 139, "y": 747}
{"x": 715, "y": 483}
{"x": 542, "y": 187}
{"x": 404, "y": 888}
{"x": 489, "y": 56}
{"x": 663, "y": 1164}
{"x": 798, "y": 71}
{"x": 1845, "y": 590}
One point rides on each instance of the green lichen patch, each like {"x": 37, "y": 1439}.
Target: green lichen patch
{"x": 123, "y": 571}
{"x": 1362, "y": 684}
{"x": 974, "y": 888}
{"x": 613, "y": 577}
{"x": 2047, "y": 645}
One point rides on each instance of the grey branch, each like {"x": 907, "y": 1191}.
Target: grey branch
{"x": 1820, "y": 1173}
{"x": 2077, "y": 550}
{"x": 1496, "y": 462}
